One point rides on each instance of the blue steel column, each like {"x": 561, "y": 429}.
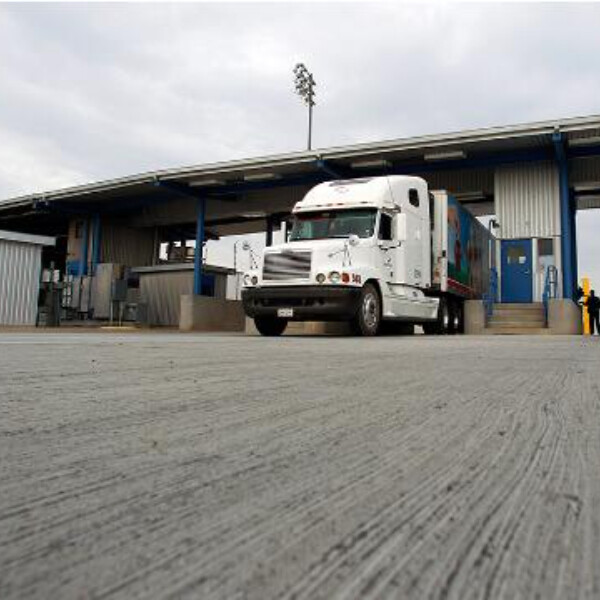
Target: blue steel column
{"x": 567, "y": 243}
{"x": 574, "y": 239}
{"x": 84, "y": 249}
{"x": 200, "y": 214}
{"x": 96, "y": 243}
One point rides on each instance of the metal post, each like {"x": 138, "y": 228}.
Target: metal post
{"x": 310, "y": 107}
{"x": 566, "y": 215}
{"x": 235, "y": 269}
{"x": 586, "y": 314}
{"x": 200, "y": 214}
{"x": 305, "y": 88}
{"x": 573, "y": 205}
{"x": 84, "y": 249}
{"x": 566, "y": 233}
{"x": 269, "y": 232}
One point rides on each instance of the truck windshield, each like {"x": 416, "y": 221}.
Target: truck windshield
{"x": 334, "y": 224}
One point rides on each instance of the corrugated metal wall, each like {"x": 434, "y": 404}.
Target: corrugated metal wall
{"x": 527, "y": 200}
{"x": 124, "y": 245}
{"x": 20, "y": 266}
{"x": 463, "y": 180}
{"x": 585, "y": 170}
{"x": 276, "y": 199}
{"x": 162, "y": 292}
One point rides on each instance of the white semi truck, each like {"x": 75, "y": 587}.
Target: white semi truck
{"x": 377, "y": 252}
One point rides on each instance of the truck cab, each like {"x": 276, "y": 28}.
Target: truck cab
{"x": 358, "y": 250}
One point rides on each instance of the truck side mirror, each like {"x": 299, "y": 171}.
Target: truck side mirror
{"x": 401, "y": 233}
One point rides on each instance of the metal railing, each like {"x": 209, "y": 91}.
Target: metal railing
{"x": 550, "y": 288}
{"x": 490, "y": 298}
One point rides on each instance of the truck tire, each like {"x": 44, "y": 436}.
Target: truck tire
{"x": 457, "y": 317}
{"x": 444, "y": 316}
{"x": 270, "y": 326}
{"x": 442, "y": 325}
{"x": 367, "y": 321}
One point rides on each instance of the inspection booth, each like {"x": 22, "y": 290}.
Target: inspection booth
{"x": 20, "y": 274}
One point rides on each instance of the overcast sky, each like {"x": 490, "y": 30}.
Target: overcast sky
{"x": 89, "y": 92}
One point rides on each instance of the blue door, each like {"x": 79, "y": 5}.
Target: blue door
{"x": 517, "y": 279}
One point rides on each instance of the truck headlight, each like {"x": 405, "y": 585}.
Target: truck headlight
{"x": 254, "y": 280}
{"x": 334, "y": 277}
{"x": 320, "y": 278}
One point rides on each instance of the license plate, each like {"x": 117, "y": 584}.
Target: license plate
{"x": 285, "y": 312}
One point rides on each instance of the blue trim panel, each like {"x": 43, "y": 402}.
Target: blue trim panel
{"x": 84, "y": 248}
{"x": 96, "y": 242}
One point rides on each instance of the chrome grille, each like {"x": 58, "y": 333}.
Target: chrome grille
{"x": 286, "y": 265}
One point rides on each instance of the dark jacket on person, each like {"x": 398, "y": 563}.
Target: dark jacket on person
{"x": 593, "y": 305}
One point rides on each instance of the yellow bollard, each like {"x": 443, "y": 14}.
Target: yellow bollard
{"x": 586, "y": 314}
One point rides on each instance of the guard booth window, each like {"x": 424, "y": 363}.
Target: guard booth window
{"x": 385, "y": 227}
{"x": 413, "y": 197}
{"x": 545, "y": 247}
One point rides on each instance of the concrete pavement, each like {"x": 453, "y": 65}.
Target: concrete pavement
{"x": 206, "y": 466}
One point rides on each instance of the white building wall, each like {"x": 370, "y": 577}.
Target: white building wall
{"x": 527, "y": 200}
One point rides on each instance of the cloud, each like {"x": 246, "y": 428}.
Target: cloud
{"x": 92, "y": 91}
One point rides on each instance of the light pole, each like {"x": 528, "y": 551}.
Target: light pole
{"x": 305, "y": 88}
{"x": 235, "y": 268}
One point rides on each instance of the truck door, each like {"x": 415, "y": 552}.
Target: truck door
{"x": 516, "y": 271}
{"x": 413, "y": 246}
{"x": 387, "y": 248}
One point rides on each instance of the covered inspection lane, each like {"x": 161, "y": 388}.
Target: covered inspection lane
{"x": 531, "y": 177}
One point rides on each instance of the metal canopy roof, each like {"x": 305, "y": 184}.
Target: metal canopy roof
{"x": 26, "y": 238}
{"x": 464, "y": 149}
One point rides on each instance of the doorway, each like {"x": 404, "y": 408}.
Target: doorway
{"x": 517, "y": 281}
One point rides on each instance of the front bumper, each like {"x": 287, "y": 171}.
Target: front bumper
{"x": 309, "y": 303}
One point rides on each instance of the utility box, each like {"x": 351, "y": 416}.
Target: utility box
{"x": 102, "y": 288}
{"x": 20, "y": 268}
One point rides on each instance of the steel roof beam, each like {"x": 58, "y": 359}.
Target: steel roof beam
{"x": 333, "y": 172}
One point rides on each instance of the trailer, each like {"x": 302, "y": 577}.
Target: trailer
{"x": 377, "y": 252}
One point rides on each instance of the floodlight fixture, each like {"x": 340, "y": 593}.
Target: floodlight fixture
{"x": 305, "y": 88}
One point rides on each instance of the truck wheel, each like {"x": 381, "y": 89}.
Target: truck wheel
{"x": 444, "y": 317}
{"x": 442, "y": 325}
{"x": 368, "y": 318}
{"x": 270, "y": 326}
{"x": 430, "y": 328}
{"x": 457, "y": 316}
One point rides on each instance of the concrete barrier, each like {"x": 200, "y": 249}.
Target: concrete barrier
{"x": 564, "y": 317}
{"x": 203, "y": 313}
{"x": 474, "y": 315}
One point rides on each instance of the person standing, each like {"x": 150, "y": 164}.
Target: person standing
{"x": 593, "y": 306}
